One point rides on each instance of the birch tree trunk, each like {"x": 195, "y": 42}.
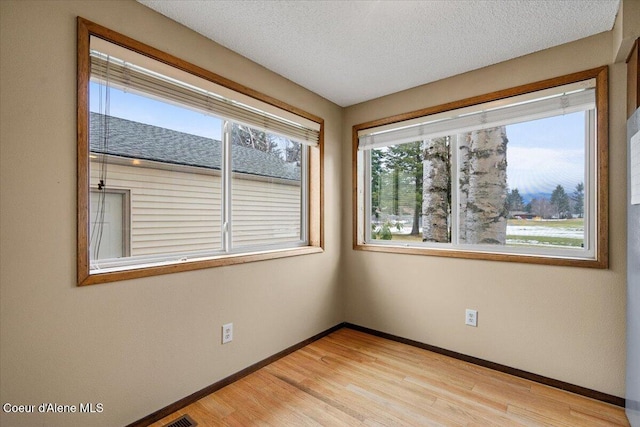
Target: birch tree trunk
{"x": 415, "y": 226}
{"x": 436, "y": 191}
{"x": 484, "y": 184}
{"x": 463, "y": 183}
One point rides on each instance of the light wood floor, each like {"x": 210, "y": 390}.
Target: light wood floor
{"x": 350, "y": 378}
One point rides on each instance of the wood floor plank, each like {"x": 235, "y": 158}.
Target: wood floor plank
{"x": 580, "y": 404}
{"x": 468, "y": 401}
{"x": 310, "y": 405}
{"x": 350, "y": 378}
{"x": 468, "y": 414}
{"x": 536, "y": 417}
{"x": 398, "y": 363}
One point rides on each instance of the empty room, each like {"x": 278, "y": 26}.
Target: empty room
{"x": 337, "y": 213}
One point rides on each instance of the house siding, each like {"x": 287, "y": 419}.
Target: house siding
{"x": 180, "y": 211}
{"x": 265, "y": 213}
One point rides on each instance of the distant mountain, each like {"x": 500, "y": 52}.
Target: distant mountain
{"x": 530, "y": 196}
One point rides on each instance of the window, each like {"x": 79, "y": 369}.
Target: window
{"x": 109, "y": 224}
{"x": 518, "y": 175}
{"x": 181, "y": 169}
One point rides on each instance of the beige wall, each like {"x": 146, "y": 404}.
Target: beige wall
{"x": 562, "y": 322}
{"x": 137, "y": 345}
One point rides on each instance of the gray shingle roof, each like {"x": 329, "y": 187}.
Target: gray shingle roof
{"x": 146, "y": 142}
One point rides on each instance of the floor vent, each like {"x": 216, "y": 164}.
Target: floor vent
{"x": 183, "y": 421}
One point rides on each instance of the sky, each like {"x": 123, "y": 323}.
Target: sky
{"x": 544, "y": 153}
{"x": 540, "y": 154}
{"x": 142, "y": 109}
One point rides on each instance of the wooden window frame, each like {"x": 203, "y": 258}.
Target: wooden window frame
{"x": 601, "y": 151}
{"x": 315, "y": 188}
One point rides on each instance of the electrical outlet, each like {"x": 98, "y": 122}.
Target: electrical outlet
{"x": 471, "y": 317}
{"x": 227, "y": 333}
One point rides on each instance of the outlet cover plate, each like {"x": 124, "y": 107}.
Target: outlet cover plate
{"x": 227, "y": 333}
{"x": 471, "y": 317}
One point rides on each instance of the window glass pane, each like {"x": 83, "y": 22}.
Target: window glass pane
{"x": 168, "y": 159}
{"x": 266, "y": 193}
{"x": 523, "y": 184}
{"x": 519, "y": 185}
{"x": 546, "y": 181}
{"x": 396, "y": 191}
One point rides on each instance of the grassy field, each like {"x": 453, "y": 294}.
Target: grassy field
{"x": 546, "y": 236}
{"x": 516, "y": 240}
{"x": 406, "y": 237}
{"x": 554, "y": 223}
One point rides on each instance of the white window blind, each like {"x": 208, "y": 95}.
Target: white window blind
{"x": 132, "y": 77}
{"x": 517, "y": 110}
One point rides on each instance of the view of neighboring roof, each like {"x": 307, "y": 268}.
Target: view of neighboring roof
{"x": 136, "y": 140}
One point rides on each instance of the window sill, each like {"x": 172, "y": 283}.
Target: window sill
{"x": 85, "y": 278}
{"x": 492, "y": 256}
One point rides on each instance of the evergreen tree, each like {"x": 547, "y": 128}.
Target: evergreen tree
{"x": 560, "y": 202}
{"x": 377, "y": 163}
{"x": 406, "y": 162}
{"x": 515, "y": 202}
{"x": 578, "y": 200}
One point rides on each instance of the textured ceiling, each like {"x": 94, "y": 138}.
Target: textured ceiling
{"x": 354, "y": 51}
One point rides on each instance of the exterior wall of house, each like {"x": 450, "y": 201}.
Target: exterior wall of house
{"x": 180, "y": 211}
{"x": 139, "y": 345}
{"x": 264, "y": 213}
{"x": 170, "y": 211}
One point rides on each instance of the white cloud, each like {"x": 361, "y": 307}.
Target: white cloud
{"x": 540, "y": 170}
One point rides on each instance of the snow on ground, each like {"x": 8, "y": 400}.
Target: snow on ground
{"x": 525, "y": 230}
{"x": 534, "y": 230}
{"x": 518, "y": 230}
